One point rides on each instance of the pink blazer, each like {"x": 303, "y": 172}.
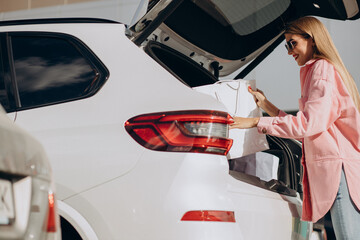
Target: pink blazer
{"x": 328, "y": 124}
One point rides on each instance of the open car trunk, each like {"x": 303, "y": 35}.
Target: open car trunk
{"x": 223, "y": 36}
{"x": 288, "y": 152}
{"x": 199, "y": 41}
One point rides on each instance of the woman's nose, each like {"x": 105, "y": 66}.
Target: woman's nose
{"x": 289, "y": 51}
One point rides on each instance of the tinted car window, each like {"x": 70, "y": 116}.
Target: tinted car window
{"x": 52, "y": 69}
{"x": 246, "y": 16}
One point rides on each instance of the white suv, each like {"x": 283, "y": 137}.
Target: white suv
{"x": 136, "y": 152}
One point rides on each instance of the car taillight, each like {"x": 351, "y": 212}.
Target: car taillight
{"x": 51, "y": 219}
{"x": 200, "y": 131}
{"x": 209, "y": 216}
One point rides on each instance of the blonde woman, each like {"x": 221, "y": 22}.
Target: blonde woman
{"x": 327, "y": 124}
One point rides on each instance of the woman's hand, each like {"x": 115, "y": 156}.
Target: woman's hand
{"x": 263, "y": 103}
{"x": 259, "y": 97}
{"x": 243, "y": 123}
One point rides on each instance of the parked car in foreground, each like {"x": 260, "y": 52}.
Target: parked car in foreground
{"x": 27, "y": 198}
{"x": 137, "y": 152}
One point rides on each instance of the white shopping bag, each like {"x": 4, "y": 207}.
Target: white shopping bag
{"x": 239, "y": 102}
{"x": 260, "y": 164}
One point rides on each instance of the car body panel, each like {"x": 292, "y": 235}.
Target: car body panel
{"x": 190, "y": 183}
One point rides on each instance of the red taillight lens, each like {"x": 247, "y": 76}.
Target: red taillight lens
{"x": 209, "y": 216}
{"x": 51, "y": 220}
{"x": 186, "y": 131}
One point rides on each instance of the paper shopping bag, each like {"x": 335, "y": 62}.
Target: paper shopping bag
{"x": 239, "y": 102}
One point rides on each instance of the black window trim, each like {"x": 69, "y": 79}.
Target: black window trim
{"x": 12, "y": 74}
{"x": 101, "y": 71}
{"x": 9, "y": 86}
{"x": 57, "y": 21}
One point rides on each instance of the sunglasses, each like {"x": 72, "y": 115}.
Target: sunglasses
{"x": 289, "y": 45}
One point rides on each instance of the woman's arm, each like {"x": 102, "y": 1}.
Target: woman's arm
{"x": 264, "y": 103}
{"x": 320, "y": 110}
{"x": 242, "y": 123}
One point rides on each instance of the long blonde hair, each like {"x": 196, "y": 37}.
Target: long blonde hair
{"x": 324, "y": 49}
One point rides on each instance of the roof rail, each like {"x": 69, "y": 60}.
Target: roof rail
{"x": 55, "y": 20}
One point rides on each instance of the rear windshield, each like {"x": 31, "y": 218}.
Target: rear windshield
{"x": 245, "y": 16}
{"x": 229, "y": 29}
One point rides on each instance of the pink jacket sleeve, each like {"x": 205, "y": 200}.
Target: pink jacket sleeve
{"x": 319, "y": 112}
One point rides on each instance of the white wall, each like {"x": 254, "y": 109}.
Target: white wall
{"x": 278, "y": 74}
{"x": 124, "y": 11}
